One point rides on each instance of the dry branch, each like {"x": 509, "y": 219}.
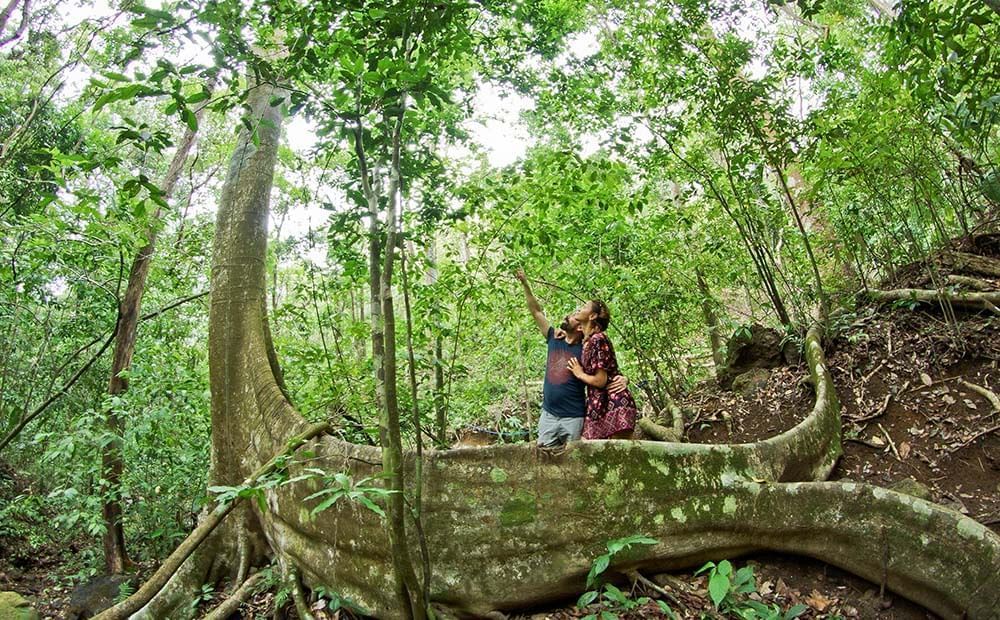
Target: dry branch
{"x": 230, "y": 606}
{"x": 981, "y": 301}
{"x": 985, "y": 393}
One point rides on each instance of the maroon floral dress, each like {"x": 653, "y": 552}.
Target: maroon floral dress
{"x": 607, "y": 414}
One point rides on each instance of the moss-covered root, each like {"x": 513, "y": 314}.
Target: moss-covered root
{"x": 536, "y": 546}
{"x": 936, "y": 557}
{"x": 929, "y": 554}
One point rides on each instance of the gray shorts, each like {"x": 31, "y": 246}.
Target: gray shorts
{"x": 555, "y": 431}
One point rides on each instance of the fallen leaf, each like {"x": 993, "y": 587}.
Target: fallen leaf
{"x": 904, "y": 450}
{"x": 969, "y": 403}
{"x": 817, "y": 601}
{"x": 926, "y": 379}
{"x": 781, "y": 587}
{"x": 948, "y": 400}
{"x": 877, "y": 441}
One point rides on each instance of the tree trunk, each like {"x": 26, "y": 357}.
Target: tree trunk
{"x": 129, "y": 311}
{"x": 251, "y": 415}
{"x": 712, "y": 321}
{"x": 392, "y": 446}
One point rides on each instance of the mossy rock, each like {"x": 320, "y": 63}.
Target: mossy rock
{"x": 13, "y": 606}
{"x": 751, "y": 381}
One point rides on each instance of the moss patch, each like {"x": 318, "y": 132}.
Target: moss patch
{"x": 519, "y": 510}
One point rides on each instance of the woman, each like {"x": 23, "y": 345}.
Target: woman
{"x": 609, "y": 416}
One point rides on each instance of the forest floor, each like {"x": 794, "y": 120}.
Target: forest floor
{"x": 912, "y": 389}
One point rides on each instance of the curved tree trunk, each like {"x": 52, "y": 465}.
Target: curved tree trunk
{"x": 511, "y": 526}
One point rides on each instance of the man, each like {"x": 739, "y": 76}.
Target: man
{"x": 564, "y": 397}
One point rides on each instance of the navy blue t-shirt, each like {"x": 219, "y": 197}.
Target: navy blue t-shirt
{"x": 563, "y": 395}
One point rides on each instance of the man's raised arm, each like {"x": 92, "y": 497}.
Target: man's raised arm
{"x": 533, "y": 306}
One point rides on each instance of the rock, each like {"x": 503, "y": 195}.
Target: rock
{"x": 909, "y": 486}
{"x": 791, "y": 352}
{"x": 13, "y": 606}
{"x": 95, "y": 595}
{"x": 756, "y": 347}
{"x": 751, "y": 381}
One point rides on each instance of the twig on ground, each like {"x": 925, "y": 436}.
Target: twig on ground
{"x": 969, "y": 441}
{"x": 636, "y": 576}
{"x": 922, "y": 386}
{"x": 230, "y": 606}
{"x": 878, "y": 412}
{"x": 985, "y": 393}
{"x": 892, "y": 444}
{"x": 864, "y": 442}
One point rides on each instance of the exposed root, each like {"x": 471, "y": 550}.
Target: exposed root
{"x": 658, "y": 432}
{"x": 975, "y": 284}
{"x": 985, "y": 393}
{"x": 294, "y": 584}
{"x": 635, "y": 575}
{"x": 229, "y": 606}
{"x": 972, "y": 263}
{"x": 208, "y": 524}
{"x": 980, "y": 301}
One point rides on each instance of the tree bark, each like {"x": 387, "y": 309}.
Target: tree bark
{"x": 251, "y": 415}
{"x": 712, "y": 321}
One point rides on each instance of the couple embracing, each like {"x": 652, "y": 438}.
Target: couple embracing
{"x": 584, "y": 393}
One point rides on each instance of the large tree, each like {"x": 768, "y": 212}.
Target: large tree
{"x": 508, "y": 526}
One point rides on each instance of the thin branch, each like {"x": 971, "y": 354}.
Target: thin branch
{"x": 24, "y": 20}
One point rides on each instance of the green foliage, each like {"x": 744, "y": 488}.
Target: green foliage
{"x": 728, "y": 592}
{"x": 609, "y": 595}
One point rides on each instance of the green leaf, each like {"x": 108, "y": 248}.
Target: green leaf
{"x": 370, "y": 505}
{"x": 330, "y": 501}
{"x": 586, "y": 598}
{"x": 188, "y": 116}
{"x": 614, "y": 594}
{"x": 198, "y": 97}
{"x": 795, "y": 611}
{"x": 718, "y": 587}
{"x": 600, "y": 565}
{"x": 118, "y": 94}
{"x": 666, "y": 610}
